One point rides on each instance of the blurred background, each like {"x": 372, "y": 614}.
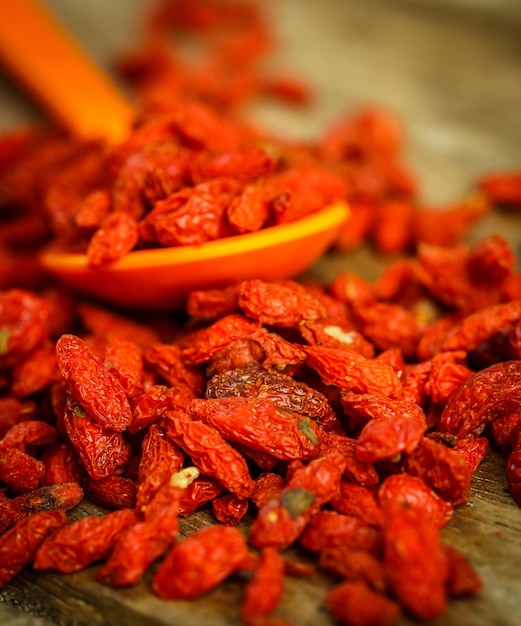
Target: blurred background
{"x": 450, "y": 68}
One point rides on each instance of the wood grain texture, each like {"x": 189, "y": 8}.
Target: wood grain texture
{"x": 452, "y": 70}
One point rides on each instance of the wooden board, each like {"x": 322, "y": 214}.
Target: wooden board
{"x": 453, "y": 71}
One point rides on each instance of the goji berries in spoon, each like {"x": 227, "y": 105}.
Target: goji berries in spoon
{"x": 84, "y": 101}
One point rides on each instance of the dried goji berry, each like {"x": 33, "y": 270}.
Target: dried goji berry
{"x": 261, "y": 425}
{"x": 434, "y": 335}
{"x": 242, "y": 163}
{"x": 281, "y": 521}
{"x": 413, "y": 492}
{"x": 287, "y": 88}
{"x": 61, "y": 464}
{"x": 394, "y": 358}
{"x": 29, "y": 435}
{"x": 365, "y": 132}
{"x": 266, "y": 588}
{"x": 336, "y": 336}
{"x": 24, "y": 324}
{"x": 300, "y": 191}
{"x": 82, "y": 542}
{"x": 359, "y": 501}
{"x": 392, "y": 231}
{"x": 353, "y": 372}
{"x": 200, "y": 491}
{"x": 463, "y": 579}
{"x": 142, "y": 543}
{"x": 356, "y": 604}
{"x": 479, "y": 326}
{"x": 267, "y": 487}
{"x": 354, "y": 565}
{"x": 236, "y": 354}
{"x": 249, "y": 211}
{"x": 331, "y": 529}
{"x": 200, "y": 562}
{"x": 355, "y": 470}
{"x": 116, "y": 237}
{"x": 36, "y": 372}
{"x": 283, "y": 355}
{"x": 442, "y": 468}
{"x": 389, "y": 325}
{"x": 444, "y": 378}
{"x": 502, "y": 188}
{"x": 92, "y": 385}
{"x": 19, "y": 471}
{"x": 49, "y": 498}
{"x": 229, "y": 509}
{"x": 384, "y": 438}
{"x": 191, "y": 216}
{"x": 167, "y": 360}
{"x": 358, "y": 226}
{"x": 491, "y": 260}
{"x": 93, "y": 209}
{"x": 486, "y": 395}
{"x": 281, "y": 389}
{"x": 444, "y": 272}
{"x": 102, "y": 451}
{"x": 111, "y": 492}
{"x": 160, "y": 459}
{"x": 211, "y": 304}
{"x": 278, "y": 526}
{"x": 154, "y": 401}
{"x": 7, "y": 512}
{"x": 124, "y": 360}
{"x": 211, "y": 454}
{"x": 447, "y": 225}
{"x": 416, "y": 563}
{"x": 352, "y": 415}
{"x": 505, "y": 431}
{"x": 473, "y": 450}
{"x": 206, "y": 342}
{"x": 360, "y": 408}
{"x": 284, "y": 303}
{"x": 19, "y": 545}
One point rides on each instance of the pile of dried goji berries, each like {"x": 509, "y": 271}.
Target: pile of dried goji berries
{"x": 344, "y": 421}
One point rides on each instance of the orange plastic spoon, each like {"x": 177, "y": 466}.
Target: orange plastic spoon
{"x": 77, "y": 93}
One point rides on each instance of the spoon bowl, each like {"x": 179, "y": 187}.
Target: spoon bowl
{"x": 162, "y": 278}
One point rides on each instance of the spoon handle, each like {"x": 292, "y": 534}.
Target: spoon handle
{"x": 36, "y": 48}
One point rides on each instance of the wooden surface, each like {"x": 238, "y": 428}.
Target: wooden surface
{"x": 453, "y": 71}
